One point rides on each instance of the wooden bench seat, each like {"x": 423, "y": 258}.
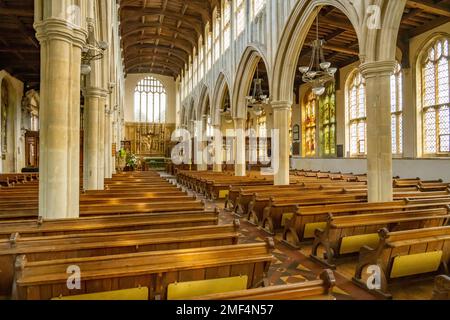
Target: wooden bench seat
{"x": 343, "y": 236}
{"x": 402, "y": 255}
{"x": 301, "y": 226}
{"x": 111, "y": 209}
{"x": 321, "y": 289}
{"x": 279, "y": 210}
{"x": 253, "y": 207}
{"x": 167, "y": 220}
{"x": 157, "y": 271}
{"x": 100, "y": 244}
{"x": 96, "y": 202}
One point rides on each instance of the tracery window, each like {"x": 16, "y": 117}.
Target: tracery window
{"x": 357, "y": 114}
{"x": 397, "y": 110}
{"x": 150, "y": 101}
{"x": 435, "y": 99}
{"x": 327, "y": 115}
{"x": 240, "y": 17}
{"x": 309, "y": 124}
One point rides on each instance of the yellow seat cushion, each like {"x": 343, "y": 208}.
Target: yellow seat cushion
{"x": 310, "y": 228}
{"x": 286, "y": 217}
{"x": 418, "y": 263}
{"x": 223, "y": 194}
{"x": 186, "y": 290}
{"x": 127, "y": 294}
{"x": 352, "y": 244}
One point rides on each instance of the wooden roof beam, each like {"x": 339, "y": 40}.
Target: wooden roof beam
{"x": 430, "y": 7}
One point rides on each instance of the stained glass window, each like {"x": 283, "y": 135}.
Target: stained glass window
{"x": 357, "y": 114}
{"x": 309, "y": 124}
{"x": 150, "y": 101}
{"x": 397, "y": 110}
{"x": 327, "y": 112}
{"x": 436, "y": 98}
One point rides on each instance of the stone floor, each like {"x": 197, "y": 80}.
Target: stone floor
{"x": 293, "y": 266}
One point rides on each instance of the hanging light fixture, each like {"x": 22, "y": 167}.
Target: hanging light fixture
{"x": 91, "y": 52}
{"x": 258, "y": 99}
{"x": 319, "y": 71}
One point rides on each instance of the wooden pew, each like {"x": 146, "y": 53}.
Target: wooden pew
{"x": 404, "y": 254}
{"x": 110, "y": 209}
{"x": 441, "y": 289}
{"x": 321, "y": 289}
{"x": 260, "y": 202}
{"x": 152, "y": 221}
{"x": 162, "y": 272}
{"x": 301, "y": 227}
{"x": 343, "y": 236}
{"x": 101, "y": 244}
{"x": 280, "y": 210}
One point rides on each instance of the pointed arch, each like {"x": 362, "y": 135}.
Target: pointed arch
{"x": 220, "y": 89}
{"x": 244, "y": 77}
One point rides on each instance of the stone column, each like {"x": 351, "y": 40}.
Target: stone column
{"x": 239, "y": 155}
{"x": 94, "y": 142}
{"x": 200, "y": 134}
{"x": 108, "y": 144}
{"x": 218, "y": 149}
{"x": 281, "y": 146}
{"x": 59, "y": 172}
{"x": 379, "y": 145}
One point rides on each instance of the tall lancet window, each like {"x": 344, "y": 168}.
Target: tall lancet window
{"x": 356, "y": 93}
{"x": 435, "y": 99}
{"x": 150, "y": 101}
{"x": 397, "y": 111}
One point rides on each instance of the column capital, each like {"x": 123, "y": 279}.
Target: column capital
{"x": 59, "y": 29}
{"x": 95, "y": 92}
{"x": 281, "y": 105}
{"x": 377, "y": 68}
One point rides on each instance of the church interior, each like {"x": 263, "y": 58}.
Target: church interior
{"x": 224, "y": 150}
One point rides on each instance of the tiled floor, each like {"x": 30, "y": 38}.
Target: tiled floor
{"x": 293, "y": 266}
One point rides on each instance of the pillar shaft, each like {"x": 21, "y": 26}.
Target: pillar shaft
{"x": 239, "y": 167}
{"x": 108, "y": 144}
{"x": 280, "y": 153}
{"x": 59, "y": 173}
{"x": 218, "y": 149}
{"x": 94, "y": 142}
{"x": 379, "y": 143}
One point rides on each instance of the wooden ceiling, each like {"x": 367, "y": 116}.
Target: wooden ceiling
{"x": 19, "y": 49}
{"x": 158, "y": 36}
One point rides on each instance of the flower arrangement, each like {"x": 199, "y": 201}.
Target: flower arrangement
{"x": 132, "y": 161}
